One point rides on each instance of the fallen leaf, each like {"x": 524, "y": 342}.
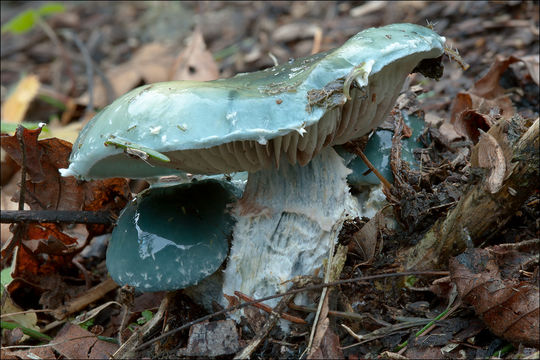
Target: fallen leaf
{"x": 31, "y": 266}
{"x": 532, "y": 62}
{"x": 73, "y": 342}
{"x": 54, "y": 192}
{"x": 509, "y": 307}
{"x": 68, "y": 132}
{"x": 195, "y": 62}
{"x": 8, "y": 168}
{"x": 294, "y": 31}
{"x": 150, "y": 63}
{"x": 476, "y": 109}
{"x": 16, "y": 105}
{"x": 488, "y": 86}
{"x": 11, "y": 145}
{"x": 30, "y": 354}
{"x": 491, "y": 156}
{"x": 366, "y": 240}
{"x": 329, "y": 348}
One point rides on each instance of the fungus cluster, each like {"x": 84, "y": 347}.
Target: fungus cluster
{"x": 279, "y": 125}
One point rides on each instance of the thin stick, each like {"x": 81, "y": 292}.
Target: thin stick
{"x": 340, "y": 314}
{"x": 79, "y": 303}
{"x": 323, "y": 301}
{"x": 55, "y": 216}
{"x": 265, "y": 331}
{"x": 18, "y": 229}
{"x": 290, "y": 292}
{"x": 61, "y": 51}
{"x": 89, "y": 67}
{"x": 20, "y": 137}
{"x": 269, "y": 310}
{"x": 370, "y": 166}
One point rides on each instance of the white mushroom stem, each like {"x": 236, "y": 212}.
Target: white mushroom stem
{"x": 288, "y": 220}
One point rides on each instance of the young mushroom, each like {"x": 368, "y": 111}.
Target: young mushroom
{"x": 181, "y": 235}
{"x": 278, "y": 124}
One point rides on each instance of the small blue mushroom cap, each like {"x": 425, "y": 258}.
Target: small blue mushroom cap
{"x": 171, "y": 237}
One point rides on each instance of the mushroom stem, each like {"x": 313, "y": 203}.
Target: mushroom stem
{"x": 287, "y": 222}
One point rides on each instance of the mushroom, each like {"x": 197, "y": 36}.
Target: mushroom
{"x": 378, "y": 149}
{"x": 172, "y": 237}
{"x": 278, "y": 124}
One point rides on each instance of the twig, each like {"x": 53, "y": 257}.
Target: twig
{"x": 20, "y": 137}
{"x": 19, "y": 228}
{"x": 61, "y": 50}
{"x": 322, "y": 307}
{"x": 95, "y": 293}
{"x": 109, "y": 89}
{"x": 382, "y": 332}
{"x": 340, "y": 314}
{"x": 431, "y": 325}
{"x": 89, "y": 67}
{"x": 50, "y": 344}
{"x": 31, "y": 311}
{"x": 372, "y": 168}
{"x": 290, "y": 292}
{"x": 56, "y": 216}
{"x": 270, "y": 323}
{"x": 128, "y": 348}
{"x": 269, "y": 310}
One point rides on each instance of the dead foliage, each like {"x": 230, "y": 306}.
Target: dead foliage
{"x": 130, "y": 44}
{"x": 491, "y": 281}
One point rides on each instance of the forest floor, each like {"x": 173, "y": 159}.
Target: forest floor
{"x": 81, "y": 56}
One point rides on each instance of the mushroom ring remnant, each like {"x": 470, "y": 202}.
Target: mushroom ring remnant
{"x": 279, "y": 125}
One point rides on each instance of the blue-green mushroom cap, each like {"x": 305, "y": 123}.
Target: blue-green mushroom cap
{"x": 252, "y": 120}
{"x": 172, "y": 237}
{"x": 378, "y": 150}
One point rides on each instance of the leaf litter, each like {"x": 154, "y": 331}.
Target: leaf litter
{"x": 497, "y": 40}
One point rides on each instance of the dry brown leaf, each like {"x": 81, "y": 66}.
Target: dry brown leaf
{"x": 532, "y": 62}
{"x": 478, "y": 107}
{"x": 29, "y": 354}
{"x": 150, "y": 63}
{"x": 509, "y": 307}
{"x": 54, "y": 192}
{"x": 51, "y": 191}
{"x": 329, "y": 345}
{"x": 16, "y": 105}
{"x": 195, "y": 62}
{"x": 491, "y": 156}
{"x": 31, "y": 265}
{"x": 156, "y": 62}
{"x": 366, "y": 240}
{"x": 73, "y": 342}
{"x": 488, "y": 86}
{"x": 11, "y": 145}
